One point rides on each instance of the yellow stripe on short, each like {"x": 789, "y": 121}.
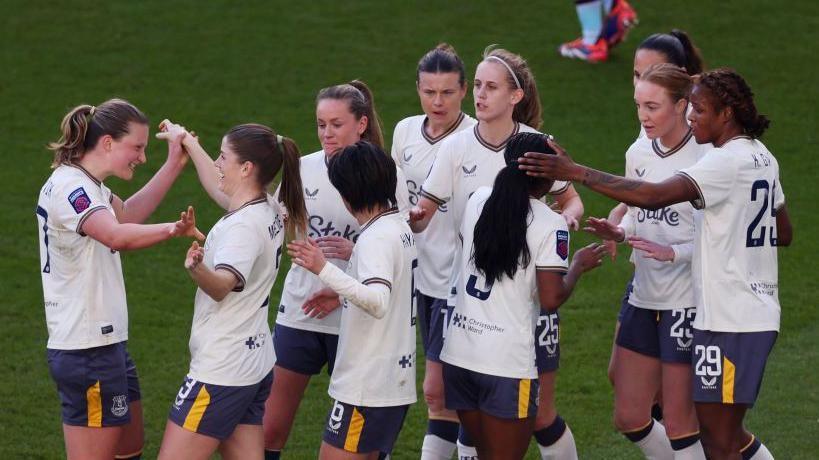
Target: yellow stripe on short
{"x": 197, "y": 411}
{"x": 354, "y": 432}
{"x": 524, "y": 387}
{"x": 93, "y": 400}
{"x": 728, "y": 373}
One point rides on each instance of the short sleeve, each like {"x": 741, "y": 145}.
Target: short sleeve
{"x": 553, "y": 252}
{"x": 397, "y": 139}
{"x": 558, "y": 187}
{"x": 375, "y": 261}
{"x": 713, "y": 176}
{"x": 438, "y": 185}
{"x": 237, "y": 250}
{"x": 76, "y": 201}
{"x": 402, "y": 195}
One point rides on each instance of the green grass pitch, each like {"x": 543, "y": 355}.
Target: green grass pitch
{"x": 211, "y": 65}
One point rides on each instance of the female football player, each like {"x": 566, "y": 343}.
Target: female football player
{"x": 441, "y": 86}
{"x": 513, "y": 264}
{"x": 373, "y": 382}
{"x": 506, "y": 102}
{"x": 221, "y": 402}
{"x": 345, "y": 114}
{"x": 734, "y": 265}
{"x": 84, "y": 226}
{"x": 653, "y": 343}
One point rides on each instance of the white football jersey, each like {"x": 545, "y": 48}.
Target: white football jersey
{"x": 662, "y": 285}
{"x": 326, "y": 216}
{"x": 375, "y": 362}
{"x": 736, "y": 284}
{"x": 83, "y": 287}
{"x": 230, "y": 340}
{"x": 465, "y": 162}
{"x": 414, "y": 151}
{"x": 492, "y": 329}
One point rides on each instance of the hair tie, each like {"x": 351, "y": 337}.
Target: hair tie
{"x": 280, "y": 142}
{"x": 91, "y": 112}
{"x": 517, "y": 82}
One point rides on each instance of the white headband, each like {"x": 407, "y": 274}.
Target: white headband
{"x": 517, "y": 82}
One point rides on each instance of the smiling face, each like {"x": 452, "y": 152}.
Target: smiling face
{"x": 494, "y": 98}
{"x": 337, "y": 125}
{"x": 441, "y": 96}
{"x": 645, "y": 58}
{"x": 127, "y": 152}
{"x": 229, "y": 167}
{"x": 656, "y": 110}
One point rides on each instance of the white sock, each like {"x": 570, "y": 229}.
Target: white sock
{"x": 591, "y": 20}
{"x": 655, "y": 445}
{"x": 763, "y": 453}
{"x": 467, "y": 452}
{"x": 692, "y": 452}
{"x": 563, "y": 449}
{"x": 435, "y": 448}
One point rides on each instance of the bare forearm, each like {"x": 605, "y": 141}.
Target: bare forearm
{"x": 142, "y": 204}
{"x": 208, "y": 176}
{"x": 215, "y": 283}
{"x": 126, "y": 237}
{"x": 647, "y": 195}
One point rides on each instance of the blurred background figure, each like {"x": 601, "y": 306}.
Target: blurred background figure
{"x": 604, "y": 24}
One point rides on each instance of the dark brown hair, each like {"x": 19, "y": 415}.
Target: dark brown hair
{"x": 268, "y": 151}
{"x": 677, "y": 48}
{"x": 442, "y": 59}
{"x": 85, "y": 124}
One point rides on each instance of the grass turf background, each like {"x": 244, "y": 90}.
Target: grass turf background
{"x": 215, "y": 64}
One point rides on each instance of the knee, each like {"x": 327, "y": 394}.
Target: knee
{"x": 628, "y": 419}
{"x": 545, "y": 418}
{"x": 434, "y": 396}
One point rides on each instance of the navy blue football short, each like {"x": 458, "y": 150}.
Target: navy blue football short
{"x": 729, "y": 366}
{"x": 433, "y": 317}
{"x": 305, "y": 352}
{"x": 216, "y": 410}
{"x": 547, "y": 342}
{"x": 663, "y": 334}
{"x": 95, "y": 385}
{"x": 501, "y": 397}
{"x": 360, "y": 429}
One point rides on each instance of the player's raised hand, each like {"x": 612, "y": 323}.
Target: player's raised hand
{"x": 571, "y": 222}
{"x": 195, "y": 256}
{"x": 651, "y": 249}
{"x": 335, "y": 247}
{"x": 604, "y": 229}
{"x": 175, "y": 134}
{"x": 321, "y": 303}
{"x": 589, "y": 257}
{"x": 307, "y": 254}
{"x": 186, "y": 225}
{"x": 556, "y": 167}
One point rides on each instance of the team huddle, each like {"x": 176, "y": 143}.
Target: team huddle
{"x": 461, "y": 230}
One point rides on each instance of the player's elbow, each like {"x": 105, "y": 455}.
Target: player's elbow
{"x": 784, "y": 238}
{"x": 551, "y": 301}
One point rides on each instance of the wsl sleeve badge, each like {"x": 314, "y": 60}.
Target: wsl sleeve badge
{"x": 562, "y": 246}
{"x": 79, "y": 200}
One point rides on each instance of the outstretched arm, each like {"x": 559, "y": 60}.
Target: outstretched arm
{"x": 647, "y": 195}
{"x": 104, "y": 227}
{"x": 142, "y": 204}
{"x": 554, "y": 287}
{"x": 420, "y": 215}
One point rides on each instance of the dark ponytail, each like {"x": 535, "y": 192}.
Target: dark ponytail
{"x": 271, "y": 153}
{"x": 499, "y": 242}
{"x": 677, "y": 48}
{"x": 85, "y": 124}
{"x": 729, "y": 89}
{"x": 361, "y": 104}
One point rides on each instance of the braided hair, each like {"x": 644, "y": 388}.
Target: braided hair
{"x": 729, "y": 89}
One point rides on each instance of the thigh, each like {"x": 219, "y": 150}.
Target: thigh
{"x": 546, "y": 410}
{"x": 637, "y": 380}
{"x": 504, "y": 438}
{"x": 246, "y": 442}
{"x": 471, "y": 423}
{"x": 82, "y": 442}
{"x": 282, "y": 403}
{"x": 178, "y": 442}
{"x": 331, "y": 452}
{"x": 721, "y": 428}
{"x": 132, "y": 439}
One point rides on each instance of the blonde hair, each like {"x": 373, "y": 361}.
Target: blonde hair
{"x": 519, "y": 76}
{"x": 675, "y": 80}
